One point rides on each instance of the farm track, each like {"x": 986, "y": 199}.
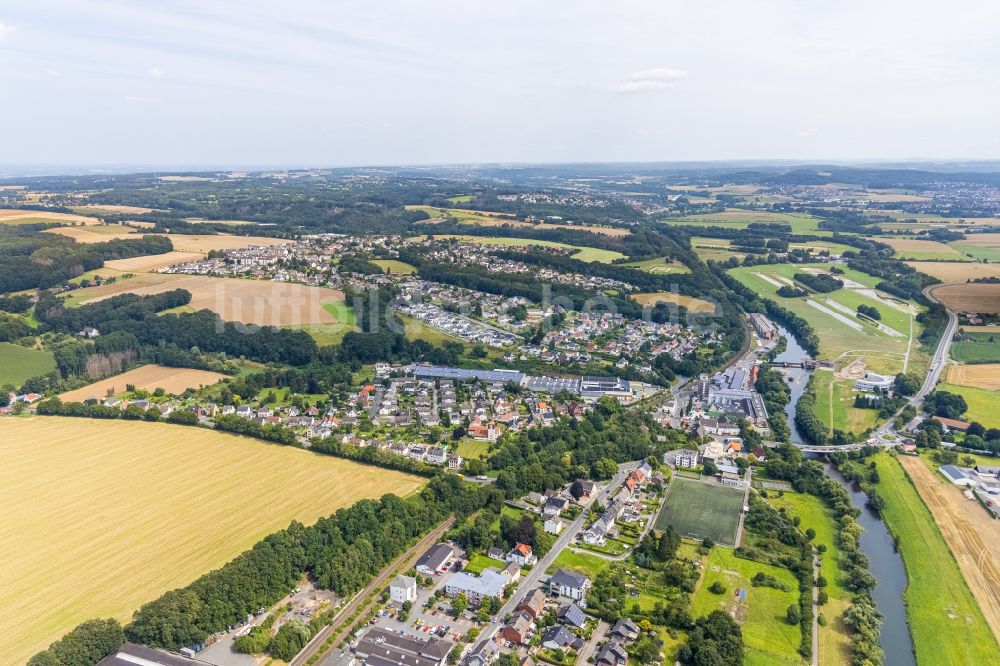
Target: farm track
{"x": 972, "y": 536}
{"x": 341, "y": 626}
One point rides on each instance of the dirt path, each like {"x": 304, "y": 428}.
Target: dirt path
{"x": 909, "y": 346}
{"x": 972, "y": 535}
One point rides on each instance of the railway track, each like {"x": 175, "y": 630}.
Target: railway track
{"x": 340, "y": 627}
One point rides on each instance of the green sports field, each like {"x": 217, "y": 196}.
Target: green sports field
{"x": 700, "y": 510}
{"x": 17, "y": 363}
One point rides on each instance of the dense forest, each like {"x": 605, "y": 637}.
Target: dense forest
{"x": 31, "y": 259}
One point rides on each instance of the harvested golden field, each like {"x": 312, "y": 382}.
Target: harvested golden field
{"x": 114, "y": 208}
{"x": 979, "y": 375}
{"x": 103, "y": 516}
{"x": 258, "y": 302}
{"x": 969, "y": 297}
{"x": 95, "y": 233}
{"x": 972, "y": 536}
{"x": 489, "y": 219}
{"x": 152, "y": 262}
{"x": 689, "y": 302}
{"x": 911, "y": 248}
{"x": 988, "y": 328}
{"x": 207, "y": 243}
{"x": 45, "y": 216}
{"x": 956, "y": 271}
{"x": 148, "y": 377}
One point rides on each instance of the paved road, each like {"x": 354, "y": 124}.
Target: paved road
{"x": 938, "y": 363}
{"x": 590, "y": 646}
{"x": 748, "y": 480}
{"x": 530, "y": 581}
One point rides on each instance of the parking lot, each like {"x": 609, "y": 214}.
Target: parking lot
{"x": 437, "y": 620}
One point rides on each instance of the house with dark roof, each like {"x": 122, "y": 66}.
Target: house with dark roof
{"x": 518, "y": 629}
{"x": 568, "y": 584}
{"x": 557, "y": 637}
{"x": 533, "y": 603}
{"x": 573, "y": 615}
{"x": 611, "y": 654}
{"x": 485, "y": 653}
{"x": 625, "y": 629}
{"x": 554, "y": 506}
{"x": 435, "y": 560}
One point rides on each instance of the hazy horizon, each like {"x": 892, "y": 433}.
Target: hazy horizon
{"x": 451, "y": 83}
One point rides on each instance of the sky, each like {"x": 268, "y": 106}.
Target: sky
{"x": 378, "y": 82}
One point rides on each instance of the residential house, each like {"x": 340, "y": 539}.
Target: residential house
{"x": 437, "y": 455}
{"x": 625, "y": 629}
{"x": 523, "y": 554}
{"x": 403, "y": 589}
{"x": 518, "y": 629}
{"x": 553, "y": 525}
{"x": 484, "y": 653}
{"x": 512, "y": 571}
{"x": 568, "y": 584}
{"x": 589, "y": 487}
{"x": 533, "y": 603}
{"x": 611, "y": 654}
{"x": 554, "y": 506}
{"x": 558, "y": 637}
{"x": 573, "y": 615}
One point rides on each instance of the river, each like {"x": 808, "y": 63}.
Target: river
{"x": 876, "y": 542}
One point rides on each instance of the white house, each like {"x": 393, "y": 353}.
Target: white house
{"x": 553, "y": 525}
{"x": 522, "y": 554}
{"x": 403, "y": 589}
{"x": 569, "y": 584}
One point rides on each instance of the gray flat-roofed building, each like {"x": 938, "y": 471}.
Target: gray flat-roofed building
{"x": 488, "y": 376}
{"x": 596, "y": 387}
{"x": 553, "y": 384}
{"x": 379, "y": 647}
{"x": 435, "y": 559}
{"x": 131, "y": 654}
{"x": 956, "y": 475}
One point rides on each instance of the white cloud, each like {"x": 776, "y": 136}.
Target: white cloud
{"x": 812, "y": 131}
{"x": 5, "y": 29}
{"x": 156, "y": 72}
{"x": 649, "y": 79}
{"x": 138, "y": 99}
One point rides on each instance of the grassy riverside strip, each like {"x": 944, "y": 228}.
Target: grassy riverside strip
{"x": 938, "y": 602}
